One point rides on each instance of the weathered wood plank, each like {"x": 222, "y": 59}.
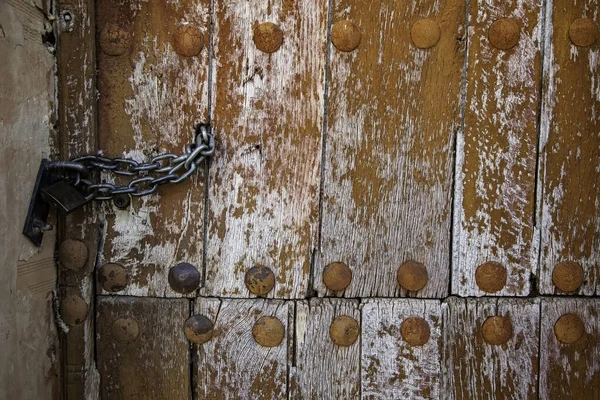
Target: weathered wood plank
{"x": 322, "y": 369}
{"x": 141, "y": 348}
{"x": 570, "y": 148}
{"x": 393, "y": 365}
{"x": 264, "y": 181}
{"x": 232, "y": 365}
{"x": 393, "y": 110}
{"x": 496, "y": 152}
{"x": 570, "y": 371}
{"x": 151, "y": 96}
{"x": 475, "y": 368}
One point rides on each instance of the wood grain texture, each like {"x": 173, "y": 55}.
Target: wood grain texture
{"x": 570, "y": 148}
{"x": 156, "y": 364}
{"x": 496, "y": 151}
{"x": 476, "y": 369}
{"x": 264, "y": 181}
{"x": 321, "y": 369}
{"x": 150, "y": 99}
{"x": 570, "y": 371}
{"x": 232, "y": 365}
{"x": 393, "y": 110}
{"x": 391, "y": 368}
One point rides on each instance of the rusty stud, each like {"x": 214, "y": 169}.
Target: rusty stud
{"x": 345, "y": 35}
{"x": 184, "y": 278}
{"x": 569, "y": 328}
{"x": 268, "y": 332}
{"x": 188, "y": 41}
{"x": 337, "y": 276}
{"x": 73, "y": 254}
{"x": 344, "y": 331}
{"x": 125, "y": 330}
{"x": 425, "y": 33}
{"x": 567, "y": 276}
{"x": 122, "y": 200}
{"x": 268, "y": 37}
{"x": 113, "y": 277}
{"x": 504, "y": 33}
{"x": 73, "y": 310}
{"x": 198, "y": 329}
{"x": 259, "y": 280}
{"x": 412, "y": 275}
{"x": 497, "y": 330}
{"x": 415, "y": 331}
{"x": 490, "y": 277}
{"x": 114, "y": 39}
{"x": 583, "y": 32}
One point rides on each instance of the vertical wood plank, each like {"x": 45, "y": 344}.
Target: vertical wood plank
{"x": 150, "y": 98}
{"x": 570, "y": 148}
{"x": 570, "y": 371}
{"x": 321, "y": 369}
{"x": 393, "y": 110}
{"x": 391, "y": 367}
{"x": 264, "y": 181}
{"x": 232, "y": 364}
{"x": 148, "y": 356}
{"x": 476, "y": 369}
{"x": 496, "y": 152}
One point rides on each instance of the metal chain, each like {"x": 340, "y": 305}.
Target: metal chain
{"x": 160, "y": 170}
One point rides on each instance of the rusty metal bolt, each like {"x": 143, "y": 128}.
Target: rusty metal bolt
{"x": 415, "y": 331}
{"x": 268, "y": 37}
{"x": 73, "y": 310}
{"x": 125, "y": 330}
{"x": 345, "y": 35}
{"x": 569, "y": 328}
{"x": 583, "y": 32}
{"x": 73, "y": 254}
{"x": 184, "y": 278}
{"x": 344, "y": 331}
{"x": 567, "y": 276}
{"x": 268, "y": 332}
{"x": 337, "y": 276}
{"x": 114, "y": 39}
{"x": 412, "y": 275}
{"x": 198, "y": 329}
{"x": 497, "y": 330}
{"x": 425, "y": 33}
{"x": 113, "y": 277}
{"x": 259, "y": 280}
{"x": 504, "y": 33}
{"x": 188, "y": 41}
{"x": 490, "y": 277}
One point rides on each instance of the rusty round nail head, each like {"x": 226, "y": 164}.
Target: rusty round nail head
{"x": 344, "y": 331}
{"x": 259, "y": 280}
{"x": 113, "y": 277}
{"x": 567, "y": 276}
{"x": 73, "y": 310}
{"x": 337, "y": 276}
{"x": 425, "y": 33}
{"x": 504, "y": 33}
{"x": 114, "y": 39}
{"x": 491, "y": 277}
{"x": 198, "y": 329}
{"x": 569, "y": 328}
{"x": 268, "y": 331}
{"x": 188, "y": 40}
{"x": 583, "y": 32}
{"x": 497, "y": 330}
{"x": 184, "y": 278}
{"x": 125, "y": 330}
{"x": 268, "y": 37}
{"x": 345, "y": 35}
{"x": 415, "y": 331}
{"x": 73, "y": 254}
{"x": 412, "y": 275}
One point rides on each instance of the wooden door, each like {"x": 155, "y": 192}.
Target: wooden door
{"x": 402, "y": 203}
